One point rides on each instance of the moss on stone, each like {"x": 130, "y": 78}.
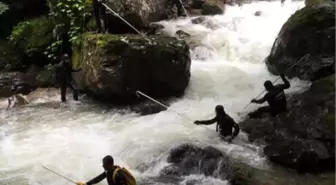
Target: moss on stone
{"x": 330, "y": 122}
{"x": 319, "y": 16}
{"x": 100, "y": 40}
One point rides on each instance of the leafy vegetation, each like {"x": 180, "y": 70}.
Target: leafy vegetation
{"x": 3, "y": 8}
{"x": 69, "y": 17}
{"x": 32, "y": 37}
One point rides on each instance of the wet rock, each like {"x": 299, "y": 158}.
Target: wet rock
{"x": 197, "y": 4}
{"x": 257, "y": 13}
{"x": 324, "y": 72}
{"x": 198, "y": 20}
{"x": 316, "y": 2}
{"x": 182, "y": 35}
{"x": 139, "y": 13}
{"x": 114, "y": 67}
{"x": 304, "y": 137}
{"x": 211, "y": 9}
{"x": 310, "y": 30}
{"x": 148, "y": 107}
{"x": 6, "y": 80}
{"x": 202, "y": 52}
{"x": 155, "y": 29}
{"x": 189, "y": 159}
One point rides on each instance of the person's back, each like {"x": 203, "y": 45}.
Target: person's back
{"x": 114, "y": 175}
{"x": 225, "y": 123}
{"x": 276, "y": 98}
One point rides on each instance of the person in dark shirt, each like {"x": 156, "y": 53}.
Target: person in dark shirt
{"x": 64, "y": 77}
{"x": 275, "y": 97}
{"x": 99, "y": 12}
{"x": 109, "y": 167}
{"x": 224, "y": 124}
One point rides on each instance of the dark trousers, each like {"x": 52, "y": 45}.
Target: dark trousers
{"x": 72, "y": 85}
{"x": 262, "y": 110}
{"x": 99, "y": 12}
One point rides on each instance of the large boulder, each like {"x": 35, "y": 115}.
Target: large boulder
{"x": 304, "y": 137}
{"x": 192, "y": 160}
{"x": 115, "y": 67}
{"x": 139, "y": 13}
{"x": 310, "y": 30}
{"x": 189, "y": 159}
{"x": 212, "y": 8}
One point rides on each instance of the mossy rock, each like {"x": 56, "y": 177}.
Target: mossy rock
{"x": 310, "y": 30}
{"x": 316, "y": 2}
{"x": 115, "y": 66}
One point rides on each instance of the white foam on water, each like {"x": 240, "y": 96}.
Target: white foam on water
{"x": 72, "y": 138}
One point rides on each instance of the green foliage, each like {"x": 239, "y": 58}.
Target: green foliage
{"x": 32, "y": 36}
{"x": 69, "y": 17}
{"x": 3, "y": 8}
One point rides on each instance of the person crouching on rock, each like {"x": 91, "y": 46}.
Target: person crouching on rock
{"x": 275, "y": 97}
{"x": 114, "y": 175}
{"x": 224, "y": 124}
{"x": 64, "y": 77}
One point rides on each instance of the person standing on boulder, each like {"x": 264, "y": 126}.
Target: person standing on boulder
{"x": 224, "y": 124}
{"x": 64, "y": 77}
{"x": 99, "y": 12}
{"x": 275, "y": 97}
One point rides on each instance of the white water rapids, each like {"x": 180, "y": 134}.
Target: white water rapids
{"x": 72, "y": 138}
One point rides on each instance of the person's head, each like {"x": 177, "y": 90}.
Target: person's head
{"x": 66, "y": 58}
{"x": 108, "y": 162}
{"x": 268, "y": 85}
{"x": 219, "y": 110}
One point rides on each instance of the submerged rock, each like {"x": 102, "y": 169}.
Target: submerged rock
{"x": 198, "y": 20}
{"x": 257, "y": 13}
{"x": 304, "y": 137}
{"x": 310, "y": 30}
{"x": 155, "y": 29}
{"x": 148, "y": 107}
{"x": 189, "y": 159}
{"x": 115, "y": 67}
{"x": 182, "y": 34}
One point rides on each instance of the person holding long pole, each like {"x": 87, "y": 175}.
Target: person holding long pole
{"x": 275, "y": 97}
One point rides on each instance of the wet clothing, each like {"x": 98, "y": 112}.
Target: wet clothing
{"x": 119, "y": 179}
{"x": 276, "y": 100}
{"x": 64, "y": 77}
{"x": 99, "y": 12}
{"x": 224, "y": 125}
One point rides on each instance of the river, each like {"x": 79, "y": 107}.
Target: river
{"x": 227, "y": 68}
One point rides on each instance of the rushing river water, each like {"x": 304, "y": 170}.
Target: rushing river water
{"x": 227, "y": 68}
